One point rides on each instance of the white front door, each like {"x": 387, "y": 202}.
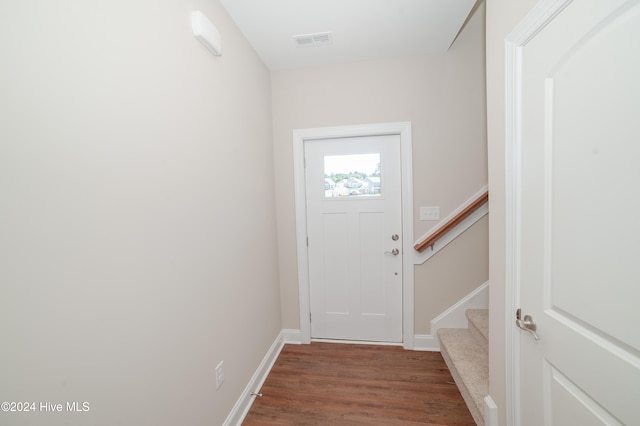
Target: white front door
{"x": 578, "y": 248}
{"x": 354, "y": 226}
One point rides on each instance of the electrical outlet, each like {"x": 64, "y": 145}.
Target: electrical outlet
{"x": 430, "y": 213}
{"x": 219, "y": 375}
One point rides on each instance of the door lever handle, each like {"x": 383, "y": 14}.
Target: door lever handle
{"x": 394, "y": 252}
{"x": 527, "y": 324}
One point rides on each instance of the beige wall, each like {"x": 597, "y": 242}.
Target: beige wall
{"x": 451, "y": 274}
{"x": 443, "y": 95}
{"x": 136, "y": 185}
{"x": 502, "y": 17}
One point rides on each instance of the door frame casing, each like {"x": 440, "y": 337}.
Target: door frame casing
{"x": 403, "y": 130}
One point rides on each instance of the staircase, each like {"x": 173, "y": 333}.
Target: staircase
{"x": 466, "y": 353}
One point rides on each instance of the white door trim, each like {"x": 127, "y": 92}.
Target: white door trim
{"x": 522, "y": 34}
{"x": 402, "y": 129}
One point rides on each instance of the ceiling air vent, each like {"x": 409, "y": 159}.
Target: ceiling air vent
{"x": 309, "y": 40}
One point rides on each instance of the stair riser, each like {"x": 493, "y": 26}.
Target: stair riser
{"x": 478, "y": 337}
{"x": 478, "y": 323}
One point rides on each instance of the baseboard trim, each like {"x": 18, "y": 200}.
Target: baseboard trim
{"x": 425, "y": 342}
{"x": 292, "y": 337}
{"x": 242, "y": 406}
{"x": 490, "y": 412}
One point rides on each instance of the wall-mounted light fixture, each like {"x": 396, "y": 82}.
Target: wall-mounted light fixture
{"x": 206, "y": 32}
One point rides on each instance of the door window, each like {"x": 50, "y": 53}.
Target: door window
{"x": 352, "y": 175}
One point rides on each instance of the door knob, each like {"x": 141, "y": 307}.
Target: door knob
{"x": 394, "y": 252}
{"x": 527, "y": 324}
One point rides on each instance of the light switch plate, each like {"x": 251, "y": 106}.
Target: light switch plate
{"x": 430, "y": 213}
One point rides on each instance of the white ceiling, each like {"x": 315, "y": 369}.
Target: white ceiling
{"x": 361, "y": 29}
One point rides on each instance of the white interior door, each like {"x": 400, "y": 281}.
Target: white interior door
{"x": 579, "y": 220}
{"x": 354, "y": 226}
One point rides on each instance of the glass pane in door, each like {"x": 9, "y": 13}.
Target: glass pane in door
{"x": 352, "y": 175}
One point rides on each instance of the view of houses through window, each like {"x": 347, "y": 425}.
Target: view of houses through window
{"x": 353, "y": 175}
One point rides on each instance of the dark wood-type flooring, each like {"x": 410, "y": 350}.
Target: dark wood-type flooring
{"x": 344, "y": 384}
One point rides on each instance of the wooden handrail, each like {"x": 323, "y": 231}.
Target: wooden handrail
{"x": 442, "y": 231}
